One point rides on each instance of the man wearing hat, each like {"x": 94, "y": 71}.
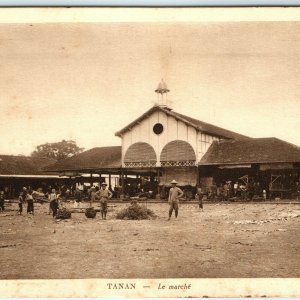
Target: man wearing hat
{"x": 174, "y": 194}
{"x": 104, "y": 194}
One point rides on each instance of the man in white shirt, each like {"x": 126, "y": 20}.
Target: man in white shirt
{"x": 174, "y": 194}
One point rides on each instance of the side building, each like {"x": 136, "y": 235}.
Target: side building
{"x": 17, "y": 172}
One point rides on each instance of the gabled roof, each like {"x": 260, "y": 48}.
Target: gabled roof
{"x": 93, "y": 159}
{"x": 259, "y": 150}
{"x": 197, "y": 124}
{"x": 23, "y": 165}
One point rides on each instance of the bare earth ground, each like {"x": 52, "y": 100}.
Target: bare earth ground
{"x": 226, "y": 240}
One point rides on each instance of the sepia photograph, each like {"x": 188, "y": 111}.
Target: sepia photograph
{"x": 145, "y": 148}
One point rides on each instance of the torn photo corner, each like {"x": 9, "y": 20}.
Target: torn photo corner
{"x": 149, "y": 152}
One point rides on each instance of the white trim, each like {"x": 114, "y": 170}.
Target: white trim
{"x": 33, "y": 176}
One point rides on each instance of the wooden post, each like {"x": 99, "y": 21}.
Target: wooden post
{"x": 122, "y": 184}
{"x": 198, "y": 181}
{"x": 158, "y": 187}
{"x": 198, "y": 176}
{"x": 100, "y": 180}
{"x": 109, "y": 180}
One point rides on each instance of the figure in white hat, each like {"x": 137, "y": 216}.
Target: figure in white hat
{"x": 174, "y": 194}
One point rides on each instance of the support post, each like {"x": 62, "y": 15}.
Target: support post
{"x": 100, "y": 180}
{"x": 109, "y": 180}
{"x": 198, "y": 181}
{"x": 122, "y": 184}
{"x": 158, "y": 187}
{"x": 92, "y": 179}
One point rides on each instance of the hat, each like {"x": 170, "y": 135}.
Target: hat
{"x": 174, "y": 181}
{"x": 103, "y": 183}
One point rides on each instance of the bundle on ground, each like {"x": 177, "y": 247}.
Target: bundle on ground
{"x": 90, "y": 212}
{"x": 63, "y": 214}
{"x": 136, "y": 212}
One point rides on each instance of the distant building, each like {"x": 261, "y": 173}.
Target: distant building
{"x": 19, "y": 171}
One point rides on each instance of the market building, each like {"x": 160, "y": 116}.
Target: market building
{"x": 162, "y": 145}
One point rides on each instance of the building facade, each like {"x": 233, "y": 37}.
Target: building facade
{"x": 169, "y": 141}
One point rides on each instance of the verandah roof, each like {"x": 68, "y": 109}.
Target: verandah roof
{"x": 258, "y": 150}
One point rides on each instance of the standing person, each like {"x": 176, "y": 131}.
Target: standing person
{"x": 21, "y": 199}
{"x": 24, "y": 193}
{"x": 2, "y": 200}
{"x": 225, "y": 191}
{"x": 54, "y": 204}
{"x": 200, "y": 197}
{"x": 78, "y": 197}
{"x": 29, "y": 198}
{"x": 104, "y": 194}
{"x": 92, "y": 195}
{"x": 174, "y": 194}
{"x": 235, "y": 189}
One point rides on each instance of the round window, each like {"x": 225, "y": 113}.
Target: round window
{"x": 158, "y": 128}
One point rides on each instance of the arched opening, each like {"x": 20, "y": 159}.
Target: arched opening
{"x": 177, "y": 153}
{"x": 140, "y": 155}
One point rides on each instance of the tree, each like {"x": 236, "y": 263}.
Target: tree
{"x": 58, "y": 151}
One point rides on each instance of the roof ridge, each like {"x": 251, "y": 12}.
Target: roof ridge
{"x": 209, "y": 124}
{"x": 288, "y": 143}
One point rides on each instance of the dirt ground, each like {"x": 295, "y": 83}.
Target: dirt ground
{"x": 226, "y": 240}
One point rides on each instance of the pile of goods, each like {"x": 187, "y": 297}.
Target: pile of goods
{"x": 136, "y": 212}
{"x": 63, "y": 214}
{"x": 90, "y": 212}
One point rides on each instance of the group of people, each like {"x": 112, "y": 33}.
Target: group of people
{"x": 27, "y": 195}
{"x": 230, "y": 189}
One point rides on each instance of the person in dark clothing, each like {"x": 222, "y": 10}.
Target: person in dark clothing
{"x": 200, "y": 197}
{"x": 20, "y": 203}
{"x": 29, "y": 198}
{"x": 2, "y": 199}
{"x": 54, "y": 207}
{"x": 54, "y": 204}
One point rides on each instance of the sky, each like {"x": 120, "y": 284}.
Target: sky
{"x": 85, "y": 81}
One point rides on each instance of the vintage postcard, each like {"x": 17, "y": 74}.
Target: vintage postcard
{"x": 150, "y": 152}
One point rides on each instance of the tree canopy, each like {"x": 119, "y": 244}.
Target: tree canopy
{"x": 58, "y": 151}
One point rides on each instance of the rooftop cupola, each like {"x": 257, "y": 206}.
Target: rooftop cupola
{"x": 162, "y": 91}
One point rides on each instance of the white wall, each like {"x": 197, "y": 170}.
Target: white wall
{"x": 204, "y": 141}
{"x": 173, "y": 130}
